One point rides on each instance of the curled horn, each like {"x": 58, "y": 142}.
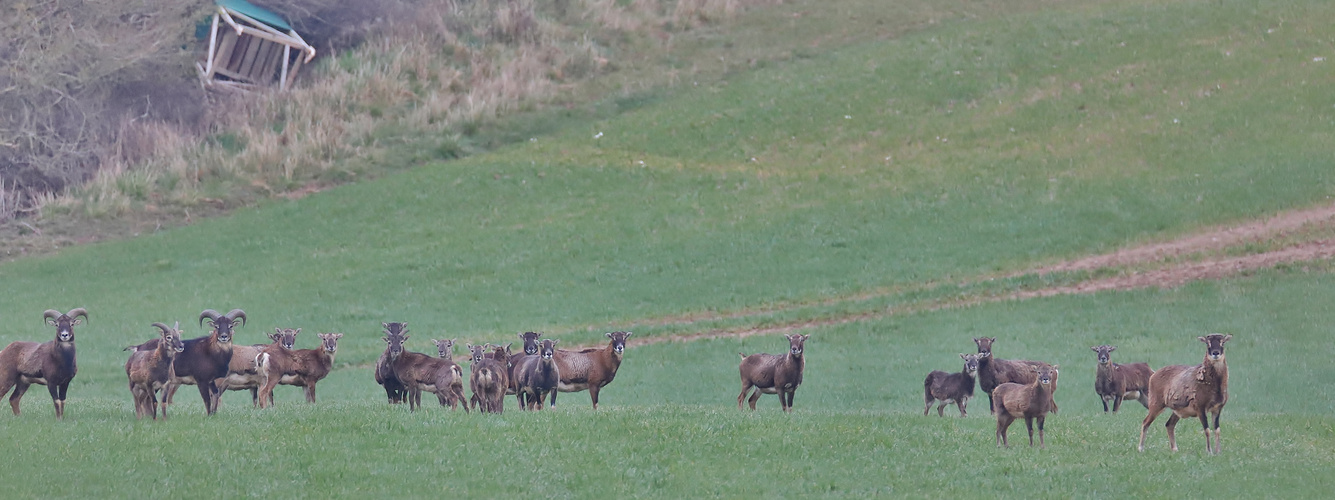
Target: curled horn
{"x": 76, "y": 312}
{"x": 237, "y": 313}
{"x": 162, "y": 326}
{"x": 210, "y": 314}
{"x": 51, "y": 315}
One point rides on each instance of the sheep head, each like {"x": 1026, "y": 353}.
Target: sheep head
{"x": 796, "y": 343}
{"x": 444, "y": 348}
{"x": 619, "y": 341}
{"x": 971, "y": 364}
{"x": 64, "y": 323}
{"x": 285, "y": 337}
{"x": 171, "y": 337}
{"x": 395, "y": 335}
{"x": 1214, "y": 345}
{"x": 329, "y": 341}
{"x": 1104, "y": 352}
{"x": 547, "y": 348}
{"x": 477, "y": 352}
{"x": 530, "y": 342}
{"x": 984, "y": 343}
{"x": 222, "y": 324}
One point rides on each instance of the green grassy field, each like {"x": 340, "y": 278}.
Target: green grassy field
{"x": 846, "y": 179}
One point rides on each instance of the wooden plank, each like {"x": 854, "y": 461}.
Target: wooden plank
{"x": 276, "y": 52}
{"x": 248, "y": 62}
{"x": 292, "y": 75}
{"x": 224, "y": 57}
{"x": 233, "y": 63}
{"x": 282, "y": 76}
{"x": 213, "y": 45}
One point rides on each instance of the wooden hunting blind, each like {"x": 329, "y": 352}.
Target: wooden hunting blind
{"x": 254, "y": 48}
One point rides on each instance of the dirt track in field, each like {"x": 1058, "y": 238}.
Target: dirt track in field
{"x": 1166, "y": 265}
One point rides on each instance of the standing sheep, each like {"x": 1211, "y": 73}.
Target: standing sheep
{"x": 1117, "y": 381}
{"x": 1191, "y": 391}
{"x": 49, "y": 363}
{"x": 993, "y": 372}
{"x": 1032, "y": 402}
{"x": 951, "y": 387}
{"x": 773, "y": 373}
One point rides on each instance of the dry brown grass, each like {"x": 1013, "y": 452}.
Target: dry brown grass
{"x": 431, "y": 72}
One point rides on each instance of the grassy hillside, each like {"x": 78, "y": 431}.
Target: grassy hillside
{"x": 835, "y": 182}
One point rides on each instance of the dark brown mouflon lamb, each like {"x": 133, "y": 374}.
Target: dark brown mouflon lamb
{"x": 950, "y": 388}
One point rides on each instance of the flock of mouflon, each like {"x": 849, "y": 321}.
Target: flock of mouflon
{"x": 213, "y": 363}
{"x": 1024, "y": 389}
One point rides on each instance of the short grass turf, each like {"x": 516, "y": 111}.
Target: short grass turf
{"x": 669, "y": 427}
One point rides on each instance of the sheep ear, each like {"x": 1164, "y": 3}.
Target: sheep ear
{"x": 805, "y": 337}
{"x": 296, "y": 332}
{"x": 964, "y": 356}
{"x": 1226, "y": 337}
{"x": 554, "y": 342}
{"x": 1112, "y": 348}
{"x": 1094, "y": 348}
{"x": 609, "y": 335}
{"x": 1202, "y": 339}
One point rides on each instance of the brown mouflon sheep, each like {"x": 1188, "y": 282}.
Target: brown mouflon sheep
{"x": 449, "y": 380}
{"x": 590, "y": 369}
{"x": 204, "y": 360}
{"x": 1191, "y": 391}
{"x": 384, "y": 371}
{"x": 487, "y": 380}
{"x": 150, "y": 370}
{"x": 537, "y": 376}
{"x": 49, "y": 363}
{"x": 951, "y": 387}
{"x": 1118, "y": 381}
{"x": 774, "y": 373}
{"x": 993, "y": 372}
{"x": 299, "y": 367}
{"x": 249, "y": 366}
{"x": 1033, "y": 402}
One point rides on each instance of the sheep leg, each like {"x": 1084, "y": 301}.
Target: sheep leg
{"x": 752, "y": 400}
{"x": 962, "y": 404}
{"x": 1041, "y": 418}
{"x": 152, "y": 402}
{"x": 1003, "y": 422}
{"x": 1104, "y": 398}
{"x": 792, "y": 393}
{"x": 941, "y": 409}
{"x": 593, "y": 394}
{"x": 310, "y": 393}
{"x": 1205, "y": 426}
{"x": 553, "y": 393}
{"x": 925, "y": 409}
{"x": 58, "y": 399}
{"x": 992, "y": 405}
{"x": 1117, "y": 401}
{"x": 1029, "y": 424}
{"x": 519, "y": 396}
{"x": 1172, "y": 431}
{"x": 1218, "y": 445}
{"x": 1154, "y": 412}
{"x": 746, "y": 386}
{"x": 207, "y": 396}
{"x": 19, "y": 388}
